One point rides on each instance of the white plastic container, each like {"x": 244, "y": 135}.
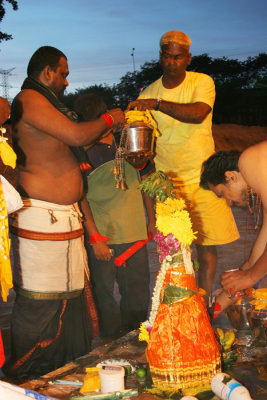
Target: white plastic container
{"x": 188, "y": 398}
{"x": 112, "y": 379}
{"x": 13, "y": 392}
{"x": 232, "y": 390}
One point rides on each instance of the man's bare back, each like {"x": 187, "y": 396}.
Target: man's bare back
{"x": 253, "y": 167}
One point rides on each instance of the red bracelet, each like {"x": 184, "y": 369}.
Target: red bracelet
{"x": 108, "y": 118}
{"x": 96, "y": 237}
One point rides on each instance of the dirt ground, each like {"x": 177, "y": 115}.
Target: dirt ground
{"x": 237, "y": 137}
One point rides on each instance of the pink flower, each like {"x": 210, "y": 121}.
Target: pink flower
{"x": 167, "y": 245}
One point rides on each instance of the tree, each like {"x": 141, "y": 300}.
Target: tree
{"x": 14, "y": 3}
{"x": 107, "y": 93}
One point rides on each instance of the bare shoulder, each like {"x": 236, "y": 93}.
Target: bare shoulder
{"x": 29, "y": 96}
{"x": 257, "y": 152}
{"x": 253, "y": 166}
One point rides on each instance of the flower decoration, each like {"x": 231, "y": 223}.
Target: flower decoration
{"x": 173, "y": 238}
{"x": 173, "y": 219}
{"x": 259, "y": 297}
{"x": 167, "y": 245}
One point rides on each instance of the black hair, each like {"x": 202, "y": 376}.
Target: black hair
{"x": 214, "y": 168}
{"x": 45, "y": 55}
{"x": 89, "y": 107}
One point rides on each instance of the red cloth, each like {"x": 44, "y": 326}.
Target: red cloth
{"x": 119, "y": 261}
{"x": 2, "y": 353}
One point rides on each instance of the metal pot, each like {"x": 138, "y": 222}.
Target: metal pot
{"x": 137, "y": 137}
{"x": 237, "y": 313}
{"x": 258, "y": 323}
{"x": 137, "y": 142}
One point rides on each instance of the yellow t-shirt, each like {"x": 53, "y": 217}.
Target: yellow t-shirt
{"x": 182, "y": 147}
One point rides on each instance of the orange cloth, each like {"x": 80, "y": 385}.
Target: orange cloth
{"x": 182, "y": 351}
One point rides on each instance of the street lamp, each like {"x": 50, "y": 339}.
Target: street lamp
{"x": 132, "y": 54}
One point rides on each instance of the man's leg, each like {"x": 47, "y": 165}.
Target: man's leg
{"x": 133, "y": 283}
{"x": 103, "y": 274}
{"x": 207, "y": 258}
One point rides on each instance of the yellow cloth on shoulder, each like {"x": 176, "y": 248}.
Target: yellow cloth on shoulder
{"x": 5, "y": 266}
{"x": 7, "y": 154}
{"x": 8, "y": 157}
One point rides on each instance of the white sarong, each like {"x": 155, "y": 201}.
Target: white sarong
{"x": 55, "y": 265}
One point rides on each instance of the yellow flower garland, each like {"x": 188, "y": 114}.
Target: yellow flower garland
{"x": 172, "y": 218}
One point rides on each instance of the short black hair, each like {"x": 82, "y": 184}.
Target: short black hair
{"x": 45, "y": 55}
{"x": 214, "y": 168}
{"x": 89, "y": 106}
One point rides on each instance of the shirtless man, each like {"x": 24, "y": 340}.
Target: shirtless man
{"x": 234, "y": 176}
{"x": 50, "y": 323}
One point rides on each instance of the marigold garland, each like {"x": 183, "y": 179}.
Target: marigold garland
{"x": 171, "y": 218}
{"x": 260, "y": 298}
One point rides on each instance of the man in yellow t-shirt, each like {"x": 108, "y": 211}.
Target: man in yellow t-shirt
{"x": 181, "y": 102}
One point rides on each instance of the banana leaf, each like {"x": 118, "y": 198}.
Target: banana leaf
{"x": 175, "y": 293}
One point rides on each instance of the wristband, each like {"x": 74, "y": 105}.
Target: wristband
{"x": 96, "y": 237}
{"x": 108, "y": 118}
{"x": 157, "y": 105}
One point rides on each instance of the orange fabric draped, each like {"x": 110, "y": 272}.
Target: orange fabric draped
{"x": 182, "y": 351}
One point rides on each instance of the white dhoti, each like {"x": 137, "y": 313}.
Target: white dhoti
{"x": 48, "y": 248}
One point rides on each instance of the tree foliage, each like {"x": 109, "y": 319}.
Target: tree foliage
{"x": 107, "y": 93}
{"x": 14, "y": 3}
{"x": 240, "y": 87}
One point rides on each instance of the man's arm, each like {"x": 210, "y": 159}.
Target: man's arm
{"x": 192, "y": 113}
{"x": 254, "y": 269}
{"x": 100, "y": 248}
{"x": 37, "y": 113}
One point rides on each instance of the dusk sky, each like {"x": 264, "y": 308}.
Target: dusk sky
{"x": 98, "y": 36}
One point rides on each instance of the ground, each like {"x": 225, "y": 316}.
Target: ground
{"x": 237, "y": 137}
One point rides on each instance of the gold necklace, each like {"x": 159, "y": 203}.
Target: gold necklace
{"x": 254, "y": 206}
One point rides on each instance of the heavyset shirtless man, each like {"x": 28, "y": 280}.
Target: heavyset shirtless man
{"x": 50, "y": 324}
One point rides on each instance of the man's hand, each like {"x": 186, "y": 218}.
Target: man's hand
{"x": 4, "y": 110}
{"x": 237, "y": 280}
{"x": 142, "y": 104}
{"x": 118, "y": 117}
{"x": 101, "y": 250}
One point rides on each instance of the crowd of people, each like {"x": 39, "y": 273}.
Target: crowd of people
{"x": 74, "y": 222}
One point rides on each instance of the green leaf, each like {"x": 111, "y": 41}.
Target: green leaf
{"x": 175, "y": 293}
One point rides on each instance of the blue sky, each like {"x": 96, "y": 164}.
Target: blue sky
{"x": 98, "y": 36}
